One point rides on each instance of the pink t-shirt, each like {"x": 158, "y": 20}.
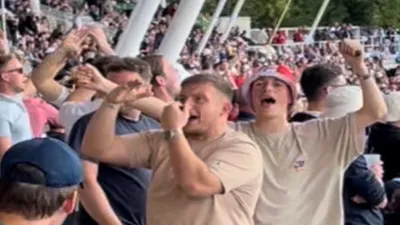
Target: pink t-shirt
{"x": 40, "y": 114}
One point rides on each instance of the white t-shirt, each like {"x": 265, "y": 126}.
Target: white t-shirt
{"x": 70, "y": 112}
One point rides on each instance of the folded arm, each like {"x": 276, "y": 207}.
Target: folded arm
{"x": 365, "y": 183}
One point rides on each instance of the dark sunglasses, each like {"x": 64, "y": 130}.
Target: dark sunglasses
{"x": 18, "y": 70}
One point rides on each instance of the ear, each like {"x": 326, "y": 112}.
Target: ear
{"x": 69, "y": 204}
{"x": 325, "y": 91}
{"x": 160, "y": 81}
{"x": 235, "y": 111}
{"x": 5, "y": 77}
{"x": 227, "y": 108}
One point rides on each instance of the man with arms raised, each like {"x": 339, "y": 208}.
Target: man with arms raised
{"x": 112, "y": 194}
{"x": 203, "y": 172}
{"x": 304, "y": 162}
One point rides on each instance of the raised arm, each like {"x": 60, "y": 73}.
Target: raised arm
{"x": 43, "y": 75}
{"x": 94, "y": 81}
{"x": 100, "y": 137}
{"x": 374, "y": 107}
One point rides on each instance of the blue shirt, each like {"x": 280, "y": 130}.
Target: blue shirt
{"x": 125, "y": 188}
{"x": 14, "y": 119}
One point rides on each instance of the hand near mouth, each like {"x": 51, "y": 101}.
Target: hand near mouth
{"x": 175, "y": 116}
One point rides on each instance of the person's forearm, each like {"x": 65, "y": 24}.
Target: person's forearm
{"x": 96, "y": 204}
{"x": 107, "y": 49}
{"x": 80, "y": 95}
{"x": 373, "y": 102}
{"x": 50, "y": 66}
{"x": 43, "y": 75}
{"x": 369, "y": 189}
{"x": 151, "y": 106}
{"x": 99, "y": 135}
{"x": 188, "y": 169}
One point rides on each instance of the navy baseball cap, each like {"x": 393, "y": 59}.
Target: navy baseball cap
{"x": 59, "y": 163}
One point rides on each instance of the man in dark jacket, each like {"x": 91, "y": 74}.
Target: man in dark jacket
{"x": 363, "y": 194}
{"x": 384, "y": 138}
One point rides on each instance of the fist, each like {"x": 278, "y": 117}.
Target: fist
{"x": 174, "y": 116}
{"x": 352, "y": 51}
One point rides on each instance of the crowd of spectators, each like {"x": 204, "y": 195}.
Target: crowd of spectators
{"x": 62, "y": 97}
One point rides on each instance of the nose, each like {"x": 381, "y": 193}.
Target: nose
{"x": 189, "y": 103}
{"x": 267, "y": 86}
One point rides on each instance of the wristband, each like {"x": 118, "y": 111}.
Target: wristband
{"x": 171, "y": 134}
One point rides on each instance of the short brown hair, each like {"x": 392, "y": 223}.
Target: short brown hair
{"x": 156, "y": 65}
{"x": 32, "y": 202}
{"x": 4, "y": 59}
{"x": 101, "y": 63}
{"x": 214, "y": 79}
{"x": 316, "y": 77}
{"x": 130, "y": 64}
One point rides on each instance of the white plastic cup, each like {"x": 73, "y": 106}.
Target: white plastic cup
{"x": 372, "y": 159}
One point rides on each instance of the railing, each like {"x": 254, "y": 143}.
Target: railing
{"x": 388, "y": 49}
{"x": 368, "y": 42}
{"x": 56, "y": 17}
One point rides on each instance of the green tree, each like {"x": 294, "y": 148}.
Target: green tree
{"x": 387, "y": 12}
{"x": 265, "y": 13}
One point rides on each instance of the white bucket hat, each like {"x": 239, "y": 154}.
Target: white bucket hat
{"x": 343, "y": 100}
{"x": 392, "y": 101}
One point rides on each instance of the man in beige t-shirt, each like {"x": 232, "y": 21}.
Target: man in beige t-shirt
{"x": 203, "y": 173}
{"x": 304, "y": 163}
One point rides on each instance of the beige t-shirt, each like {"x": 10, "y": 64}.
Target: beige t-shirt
{"x": 303, "y": 171}
{"x": 233, "y": 158}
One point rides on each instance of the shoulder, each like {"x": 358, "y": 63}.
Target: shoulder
{"x": 322, "y": 124}
{"x": 239, "y": 141}
{"x": 242, "y": 126}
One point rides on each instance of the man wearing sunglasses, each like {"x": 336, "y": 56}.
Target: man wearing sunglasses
{"x": 14, "y": 119}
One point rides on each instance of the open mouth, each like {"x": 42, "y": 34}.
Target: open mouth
{"x": 193, "y": 118}
{"x": 268, "y": 101}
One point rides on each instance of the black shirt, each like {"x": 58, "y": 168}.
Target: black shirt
{"x": 384, "y": 139}
{"x": 125, "y": 188}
